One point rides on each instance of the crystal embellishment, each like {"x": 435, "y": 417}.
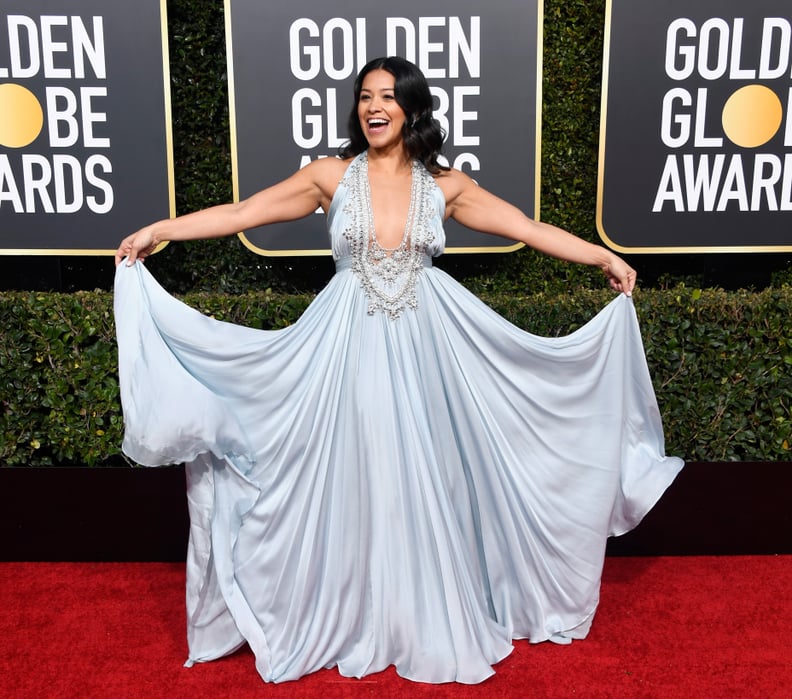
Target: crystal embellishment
{"x": 389, "y": 276}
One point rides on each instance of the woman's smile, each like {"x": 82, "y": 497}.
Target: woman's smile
{"x": 381, "y": 117}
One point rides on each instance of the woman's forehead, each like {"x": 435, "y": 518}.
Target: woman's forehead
{"x": 378, "y": 80}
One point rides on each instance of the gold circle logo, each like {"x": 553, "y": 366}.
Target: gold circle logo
{"x": 752, "y": 116}
{"x": 21, "y": 116}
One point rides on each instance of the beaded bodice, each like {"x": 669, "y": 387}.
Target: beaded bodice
{"x": 389, "y": 276}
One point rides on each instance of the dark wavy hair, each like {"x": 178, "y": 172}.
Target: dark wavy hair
{"x": 422, "y": 134}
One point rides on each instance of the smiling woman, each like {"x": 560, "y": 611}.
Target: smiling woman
{"x": 381, "y": 117}
{"x": 398, "y": 117}
{"x": 451, "y": 479}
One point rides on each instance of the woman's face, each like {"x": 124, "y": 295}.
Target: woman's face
{"x": 381, "y": 117}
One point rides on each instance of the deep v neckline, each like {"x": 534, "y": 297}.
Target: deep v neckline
{"x": 388, "y": 276}
{"x": 374, "y": 241}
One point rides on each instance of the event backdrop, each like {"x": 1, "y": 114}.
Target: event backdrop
{"x": 85, "y": 149}
{"x": 696, "y": 130}
{"x": 292, "y": 66}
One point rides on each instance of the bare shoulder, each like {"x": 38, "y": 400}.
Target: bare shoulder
{"x": 329, "y": 164}
{"x": 326, "y": 171}
{"x": 324, "y": 174}
{"x": 453, "y": 183}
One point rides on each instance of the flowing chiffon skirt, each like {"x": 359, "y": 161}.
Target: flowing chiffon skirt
{"x": 367, "y": 492}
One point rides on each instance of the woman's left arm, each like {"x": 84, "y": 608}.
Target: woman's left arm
{"x": 476, "y": 208}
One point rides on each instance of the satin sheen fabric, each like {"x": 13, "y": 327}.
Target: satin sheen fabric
{"x": 367, "y": 492}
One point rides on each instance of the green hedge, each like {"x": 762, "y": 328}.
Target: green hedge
{"x": 721, "y": 363}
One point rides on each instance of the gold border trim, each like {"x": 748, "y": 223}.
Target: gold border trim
{"x": 168, "y": 156}
{"x": 601, "y": 176}
{"x": 231, "y": 101}
{"x": 448, "y": 251}
{"x": 166, "y": 78}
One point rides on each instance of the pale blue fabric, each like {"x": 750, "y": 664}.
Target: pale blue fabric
{"x": 367, "y": 492}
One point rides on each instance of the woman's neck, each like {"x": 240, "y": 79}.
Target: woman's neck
{"x": 391, "y": 162}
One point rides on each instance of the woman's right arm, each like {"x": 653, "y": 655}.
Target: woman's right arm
{"x": 293, "y": 198}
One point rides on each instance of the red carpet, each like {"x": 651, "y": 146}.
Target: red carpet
{"x": 667, "y": 627}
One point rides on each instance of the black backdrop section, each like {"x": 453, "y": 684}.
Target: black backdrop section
{"x": 673, "y": 118}
{"x": 298, "y": 107}
{"x": 101, "y": 161}
{"x": 727, "y": 271}
{"x": 55, "y": 273}
{"x": 140, "y": 514}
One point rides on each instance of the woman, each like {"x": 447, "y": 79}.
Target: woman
{"x": 401, "y": 477}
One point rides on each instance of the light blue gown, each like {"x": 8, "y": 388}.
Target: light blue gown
{"x": 402, "y": 477}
